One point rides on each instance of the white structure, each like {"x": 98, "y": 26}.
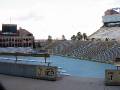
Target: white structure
{"x": 111, "y": 26}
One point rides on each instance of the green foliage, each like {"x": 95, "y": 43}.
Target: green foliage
{"x": 85, "y": 36}
{"x": 50, "y": 39}
{"x": 63, "y": 37}
{"x": 73, "y": 38}
{"x": 79, "y": 36}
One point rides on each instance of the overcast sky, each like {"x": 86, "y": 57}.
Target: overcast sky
{"x": 55, "y": 17}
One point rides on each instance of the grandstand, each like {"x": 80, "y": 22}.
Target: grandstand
{"x": 102, "y": 51}
{"x": 103, "y": 45}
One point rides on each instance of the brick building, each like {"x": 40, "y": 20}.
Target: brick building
{"x": 11, "y": 37}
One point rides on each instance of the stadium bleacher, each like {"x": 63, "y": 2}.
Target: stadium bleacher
{"x": 93, "y": 50}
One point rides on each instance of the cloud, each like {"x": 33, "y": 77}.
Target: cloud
{"x": 29, "y": 16}
{"x": 56, "y": 17}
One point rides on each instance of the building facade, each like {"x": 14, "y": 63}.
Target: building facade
{"x": 11, "y": 37}
{"x": 112, "y": 17}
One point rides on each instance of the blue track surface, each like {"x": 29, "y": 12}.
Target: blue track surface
{"x": 74, "y": 67}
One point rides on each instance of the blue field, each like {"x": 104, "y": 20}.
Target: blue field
{"x": 74, "y": 67}
{"x": 81, "y": 68}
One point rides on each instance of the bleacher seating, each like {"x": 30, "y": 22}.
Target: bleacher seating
{"x": 96, "y": 50}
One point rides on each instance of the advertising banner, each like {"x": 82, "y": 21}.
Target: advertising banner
{"x": 112, "y": 77}
{"x": 47, "y": 72}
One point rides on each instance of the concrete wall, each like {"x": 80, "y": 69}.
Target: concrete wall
{"x": 27, "y": 70}
{"x": 111, "y": 18}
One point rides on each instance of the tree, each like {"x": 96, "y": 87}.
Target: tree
{"x": 106, "y": 39}
{"x": 34, "y": 46}
{"x": 39, "y": 45}
{"x": 49, "y": 39}
{"x": 92, "y": 39}
{"x": 73, "y": 38}
{"x": 63, "y": 37}
{"x": 85, "y": 36}
{"x": 79, "y": 36}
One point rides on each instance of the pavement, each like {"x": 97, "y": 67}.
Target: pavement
{"x": 65, "y": 83}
